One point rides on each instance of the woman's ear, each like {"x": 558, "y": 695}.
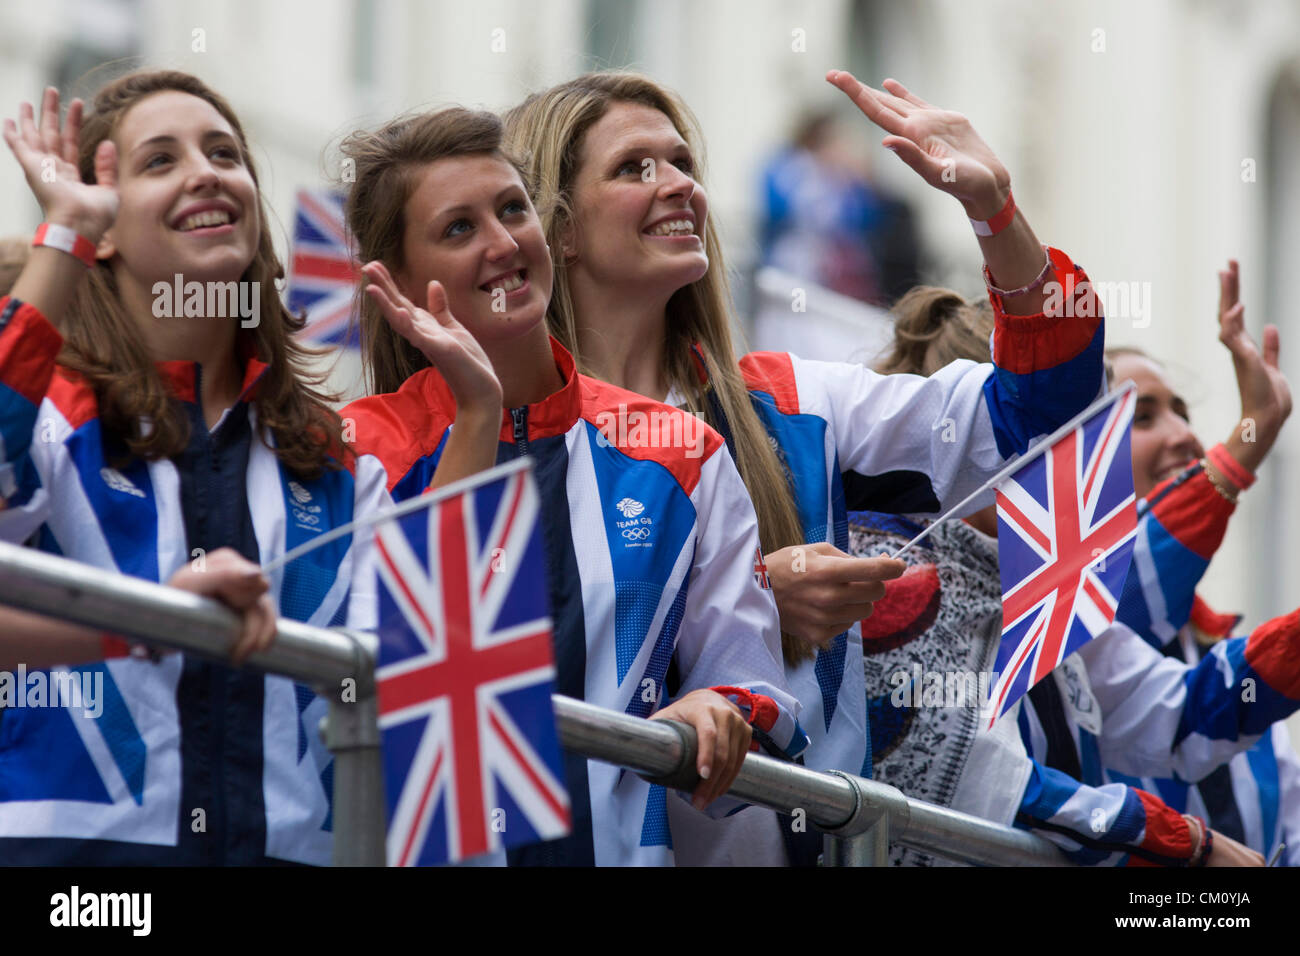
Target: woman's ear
{"x": 568, "y": 237}
{"x": 106, "y": 249}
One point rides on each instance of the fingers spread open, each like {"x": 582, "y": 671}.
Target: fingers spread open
{"x": 105, "y": 164}
{"x": 898, "y": 89}
{"x": 50, "y": 122}
{"x": 867, "y": 101}
{"x": 914, "y": 156}
{"x": 1272, "y": 345}
{"x": 436, "y": 299}
{"x": 71, "y": 129}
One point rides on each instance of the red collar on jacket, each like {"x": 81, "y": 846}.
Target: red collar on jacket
{"x": 181, "y": 377}
{"x": 553, "y": 415}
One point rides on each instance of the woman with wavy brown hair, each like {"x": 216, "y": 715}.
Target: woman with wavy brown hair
{"x": 159, "y": 422}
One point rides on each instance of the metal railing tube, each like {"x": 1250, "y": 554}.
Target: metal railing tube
{"x": 969, "y": 839}
{"x": 664, "y": 751}
{"x": 862, "y": 815}
{"x": 47, "y": 584}
{"x": 351, "y": 733}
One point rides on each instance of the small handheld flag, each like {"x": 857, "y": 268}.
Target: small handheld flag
{"x": 323, "y": 277}
{"x": 465, "y": 674}
{"x": 1067, "y": 520}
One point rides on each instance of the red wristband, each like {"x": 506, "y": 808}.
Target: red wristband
{"x": 991, "y": 227}
{"x": 1229, "y": 467}
{"x": 114, "y": 646}
{"x": 65, "y": 240}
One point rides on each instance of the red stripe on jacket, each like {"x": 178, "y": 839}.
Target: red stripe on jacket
{"x": 30, "y": 345}
{"x": 773, "y": 373}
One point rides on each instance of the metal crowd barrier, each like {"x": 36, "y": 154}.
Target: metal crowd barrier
{"x": 860, "y": 818}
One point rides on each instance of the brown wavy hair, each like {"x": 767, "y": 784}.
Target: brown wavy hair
{"x": 386, "y": 164}
{"x": 105, "y": 346}
{"x": 548, "y": 130}
{"x": 934, "y": 327}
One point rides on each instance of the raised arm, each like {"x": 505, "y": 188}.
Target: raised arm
{"x": 944, "y": 150}
{"x": 1183, "y": 520}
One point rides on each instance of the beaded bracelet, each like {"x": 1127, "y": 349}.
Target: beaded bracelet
{"x": 1207, "y": 844}
{"x": 1229, "y": 467}
{"x": 1220, "y": 484}
{"x": 1042, "y": 277}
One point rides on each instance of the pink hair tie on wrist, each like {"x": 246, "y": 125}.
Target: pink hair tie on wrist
{"x": 1038, "y": 281}
{"x": 991, "y": 227}
{"x": 65, "y": 240}
{"x": 1229, "y": 467}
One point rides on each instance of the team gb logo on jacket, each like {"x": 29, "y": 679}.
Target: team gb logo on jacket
{"x": 636, "y": 528}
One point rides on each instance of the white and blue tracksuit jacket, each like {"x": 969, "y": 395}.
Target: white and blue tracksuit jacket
{"x": 855, "y": 440}
{"x": 188, "y": 762}
{"x": 1255, "y": 797}
{"x": 655, "y": 580}
{"x": 1124, "y": 712}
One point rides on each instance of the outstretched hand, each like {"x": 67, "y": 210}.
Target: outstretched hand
{"x": 446, "y": 343}
{"x": 48, "y": 156}
{"x": 939, "y": 144}
{"x": 1265, "y": 393}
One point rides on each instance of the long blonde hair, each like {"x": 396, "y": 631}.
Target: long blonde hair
{"x": 547, "y": 131}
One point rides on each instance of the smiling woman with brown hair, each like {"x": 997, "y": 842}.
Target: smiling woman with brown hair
{"x": 178, "y": 449}
{"x": 650, "y": 541}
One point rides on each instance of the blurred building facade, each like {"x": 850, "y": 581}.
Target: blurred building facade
{"x": 1151, "y": 140}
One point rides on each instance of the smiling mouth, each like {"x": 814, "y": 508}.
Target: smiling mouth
{"x": 208, "y": 219}
{"x": 672, "y": 228}
{"x": 510, "y": 282}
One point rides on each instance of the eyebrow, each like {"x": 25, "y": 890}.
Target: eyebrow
{"x": 643, "y": 147}
{"x": 166, "y": 139}
{"x": 466, "y": 207}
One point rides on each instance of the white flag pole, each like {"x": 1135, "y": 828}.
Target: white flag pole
{"x": 1021, "y": 460}
{"x": 406, "y": 507}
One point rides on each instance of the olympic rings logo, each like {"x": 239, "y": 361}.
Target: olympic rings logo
{"x": 636, "y": 534}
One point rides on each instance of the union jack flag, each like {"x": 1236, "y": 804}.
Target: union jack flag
{"x": 465, "y": 675}
{"x": 323, "y": 277}
{"x": 1067, "y": 520}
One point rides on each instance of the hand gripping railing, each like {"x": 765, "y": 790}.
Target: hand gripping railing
{"x": 860, "y": 818}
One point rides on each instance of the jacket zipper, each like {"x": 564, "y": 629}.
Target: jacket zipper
{"x": 217, "y": 688}
{"x": 520, "y": 417}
